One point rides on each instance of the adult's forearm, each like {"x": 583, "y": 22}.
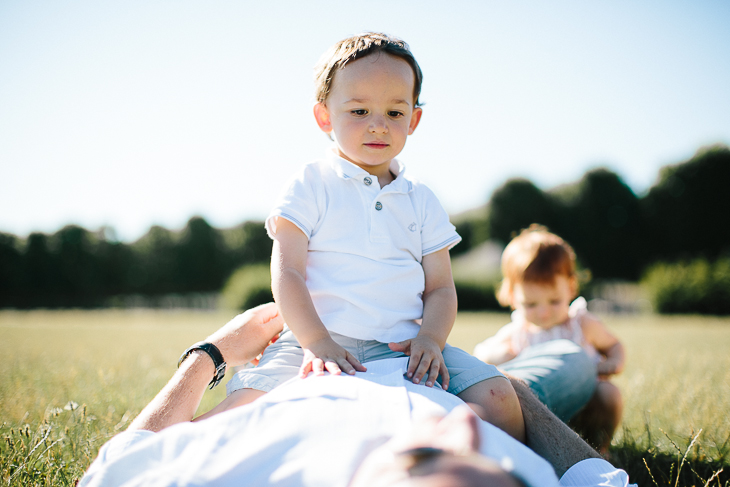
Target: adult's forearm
{"x": 548, "y": 436}
{"x": 180, "y": 398}
{"x": 239, "y": 341}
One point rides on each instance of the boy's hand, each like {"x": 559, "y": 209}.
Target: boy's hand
{"x": 326, "y": 354}
{"x": 426, "y": 358}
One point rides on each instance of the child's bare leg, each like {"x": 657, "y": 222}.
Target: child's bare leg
{"x": 598, "y": 421}
{"x": 234, "y": 400}
{"x": 499, "y": 405}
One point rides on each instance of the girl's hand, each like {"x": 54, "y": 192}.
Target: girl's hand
{"x": 606, "y": 368}
{"x": 426, "y": 358}
{"x": 326, "y": 354}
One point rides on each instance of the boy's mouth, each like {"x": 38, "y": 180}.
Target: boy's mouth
{"x": 376, "y": 145}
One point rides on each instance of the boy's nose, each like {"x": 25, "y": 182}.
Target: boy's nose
{"x": 378, "y": 126}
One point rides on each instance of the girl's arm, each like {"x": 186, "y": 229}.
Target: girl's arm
{"x": 288, "y": 272}
{"x": 439, "y": 313}
{"x": 495, "y": 350}
{"x": 606, "y": 343}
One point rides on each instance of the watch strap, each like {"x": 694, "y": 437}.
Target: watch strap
{"x": 215, "y": 355}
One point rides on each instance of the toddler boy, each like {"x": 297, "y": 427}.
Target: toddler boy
{"x": 360, "y": 264}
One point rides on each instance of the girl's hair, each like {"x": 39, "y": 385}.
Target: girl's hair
{"x": 536, "y": 256}
{"x": 358, "y": 47}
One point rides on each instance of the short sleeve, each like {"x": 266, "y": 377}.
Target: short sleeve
{"x": 437, "y": 232}
{"x": 595, "y": 472}
{"x": 299, "y": 202}
{"x": 112, "y": 451}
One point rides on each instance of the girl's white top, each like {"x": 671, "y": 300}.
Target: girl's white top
{"x": 522, "y": 334}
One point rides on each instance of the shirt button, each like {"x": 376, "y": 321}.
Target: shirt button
{"x": 368, "y": 181}
{"x": 378, "y": 206}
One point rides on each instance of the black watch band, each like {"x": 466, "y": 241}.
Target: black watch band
{"x": 215, "y": 355}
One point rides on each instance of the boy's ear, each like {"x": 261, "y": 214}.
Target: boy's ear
{"x": 415, "y": 119}
{"x": 322, "y": 116}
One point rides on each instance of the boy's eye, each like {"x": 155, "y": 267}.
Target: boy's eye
{"x": 395, "y": 114}
{"x": 359, "y": 111}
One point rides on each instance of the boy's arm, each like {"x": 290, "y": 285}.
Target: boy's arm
{"x": 606, "y": 343}
{"x": 288, "y": 271}
{"x": 439, "y": 313}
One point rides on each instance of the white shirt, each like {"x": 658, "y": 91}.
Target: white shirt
{"x": 311, "y": 432}
{"x": 366, "y": 245}
{"x": 521, "y": 334}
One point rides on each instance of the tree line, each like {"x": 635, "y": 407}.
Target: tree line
{"x": 78, "y": 268}
{"x": 615, "y": 233}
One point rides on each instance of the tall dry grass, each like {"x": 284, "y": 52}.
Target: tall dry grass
{"x": 69, "y": 380}
{"x": 676, "y": 390}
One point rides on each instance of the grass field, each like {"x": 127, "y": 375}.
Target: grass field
{"x": 69, "y": 380}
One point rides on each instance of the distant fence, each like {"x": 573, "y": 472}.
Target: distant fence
{"x": 203, "y": 301}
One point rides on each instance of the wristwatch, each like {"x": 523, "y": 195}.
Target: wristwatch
{"x": 215, "y": 355}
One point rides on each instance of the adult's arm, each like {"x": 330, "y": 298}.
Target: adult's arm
{"x": 239, "y": 341}
{"x": 546, "y": 435}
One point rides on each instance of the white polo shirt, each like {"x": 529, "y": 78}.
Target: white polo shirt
{"x": 366, "y": 245}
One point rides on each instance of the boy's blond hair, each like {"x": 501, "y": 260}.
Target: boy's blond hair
{"x": 358, "y": 47}
{"x": 535, "y": 256}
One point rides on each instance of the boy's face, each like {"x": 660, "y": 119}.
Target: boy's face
{"x": 544, "y": 305}
{"x": 371, "y": 110}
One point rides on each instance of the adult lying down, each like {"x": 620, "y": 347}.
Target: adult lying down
{"x": 375, "y": 428}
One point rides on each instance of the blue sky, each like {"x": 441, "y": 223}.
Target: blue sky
{"x": 135, "y": 113}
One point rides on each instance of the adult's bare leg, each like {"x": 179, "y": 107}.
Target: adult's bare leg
{"x": 546, "y": 435}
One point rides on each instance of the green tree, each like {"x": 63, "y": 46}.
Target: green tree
{"x": 154, "y": 263}
{"x": 698, "y": 286}
{"x": 686, "y": 212}
{"x": 77, "y": 280}
{"x": 200, "y": 264}
{"x": 246, "y": 243}
{"x": 11, "y": 270}
{"x": 600, "y": 218}
{"x": 41, "y": 279}
{"x": 517, "y": 204}
{"x": 113, "y": 260}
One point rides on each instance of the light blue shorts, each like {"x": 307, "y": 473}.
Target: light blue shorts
{"x": 281, "y": 361}
{"x": 559, "y": 372}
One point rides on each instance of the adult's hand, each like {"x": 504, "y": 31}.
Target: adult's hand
{"x": 243, "y": 338}
{"x": 239, "y": 341}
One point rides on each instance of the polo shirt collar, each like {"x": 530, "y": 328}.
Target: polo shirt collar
{"x": 347, "y": 170}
